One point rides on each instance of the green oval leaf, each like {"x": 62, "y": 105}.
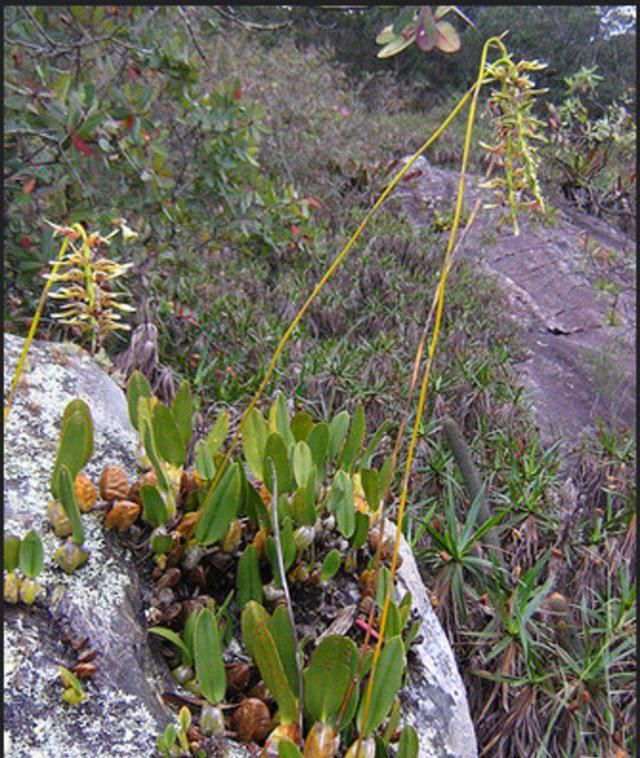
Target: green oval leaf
{"x": 386, "y": 683}
{"x": 182, "y": 412}
{"x": 254, "y": 440}
{"x": 70, "y": 504}
{"x": 282, "y": 634}
{"x": 209, "y": 664}
{"x": 318, "y": 441}
{"x": 11, "y": 552}
{"x": 330, "y": 565}
{"x": 301, "y": 426}
{"x": 248, "y": 579}
{"x": 137, "y": 387}
{"x": 166, "y": 435}
{"x": 267, "y": 659}
{"x": 219, "y": 508}
{"x": 75, "y": 445}
{"x": 328, "y": 676}
{"x": 302, "y": 462}
{"x": 276, "y": 451}
{"x": 279, "y": 420}
{"x": 408, "y": 745}
{"x": 218, "y": 433}
{"x": 204, "y": 461}
{"x": 31, "y": 554}
{"x": 337, "y": 432}
{"x": 354, "y": 441}
{"x": 154, "y": 508}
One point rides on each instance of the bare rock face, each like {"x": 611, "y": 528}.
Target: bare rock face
{"x": 124, "y": 712}
{"x": 569, "y": 286}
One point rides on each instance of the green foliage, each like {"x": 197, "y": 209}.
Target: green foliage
{"x": 31, "y": 557}
{"x": 70, "y": 504}
{"x": 594, "y": 155}
{"x": 386, "y": 683}
{"x": 75, "y": 444}
{"x": 11, "y": 551}
{"x": 73, "y": 692}
{"x": 220, "y": 508}
{"x": 248, "y": 580}
{"x": 131, "y": 129}
{"x": 259, "y": 641}
{"x": 327, "y": 678}
{"x": 154, "y": 508}
{"x": 208, "y": 657}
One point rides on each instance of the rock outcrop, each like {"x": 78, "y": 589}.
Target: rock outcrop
{"x": 569, "y": 286}
{"x": 102, "y": 601}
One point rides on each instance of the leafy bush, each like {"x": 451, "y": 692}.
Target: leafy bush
{"x": 104, "y": 118}
{"x": 594, "y": 155}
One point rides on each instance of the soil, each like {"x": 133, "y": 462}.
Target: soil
{"x": 571, "y": 288}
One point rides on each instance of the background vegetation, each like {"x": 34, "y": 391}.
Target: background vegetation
{"x": 243, "y": 145}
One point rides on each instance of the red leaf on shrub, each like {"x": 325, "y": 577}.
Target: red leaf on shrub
{"x": 133, "y": 74}
{"x": 80, "y": 145}
{"x": 29, "y": 185}
{"x": 128, "y": 122}
{"x": 25, "y": 242}
{"x": 314, "y": 202}
{"x": 237, "y": 94}
{"x": 292, "y": 246}
{"x": 294, "y": 229}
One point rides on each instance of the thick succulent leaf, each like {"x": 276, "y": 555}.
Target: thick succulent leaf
{"x": 408, "y": 745}
{"x": 386, "y": 35}
{"x": 207, "y": 650}
{"x": 70, "y": 504}
{"x": 301, "y": 426}
{"x": 182, "y": 412}
{"x": 218, "y": 432}
{"x": 248, "y": 580}
{"x": 204, "y": 461}
{"x": 328, "y": 676}
{"x": 219, "y": 508}
{"x": 137, "y": 387}
{"x": 404, "y": 19}
{"x": 254, "y": 440}
{"x": 275, "y": 452}
{"x": 167, "y": 436}
{"x": 302, "y": 462}
{"x": 269, "y": 663}
{"x": 354, "y": 441}
{"x": 337, "y": 432}
{"x": 75, "y": 445}
{"x": 31, "y": 554}
{"x": 386, "y": 683}
{"x": 279, "y": 420}
{"x": 11, "y": 552}
{"x": 282, "y": 634}
{"x": 154, "y": 508}
{"x": 252, "y": 614}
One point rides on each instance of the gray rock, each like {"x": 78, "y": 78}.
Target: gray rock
{"x": 124, "y": 712}
{"x": 570, "y": 287}
{"x": 435, "y": 702}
